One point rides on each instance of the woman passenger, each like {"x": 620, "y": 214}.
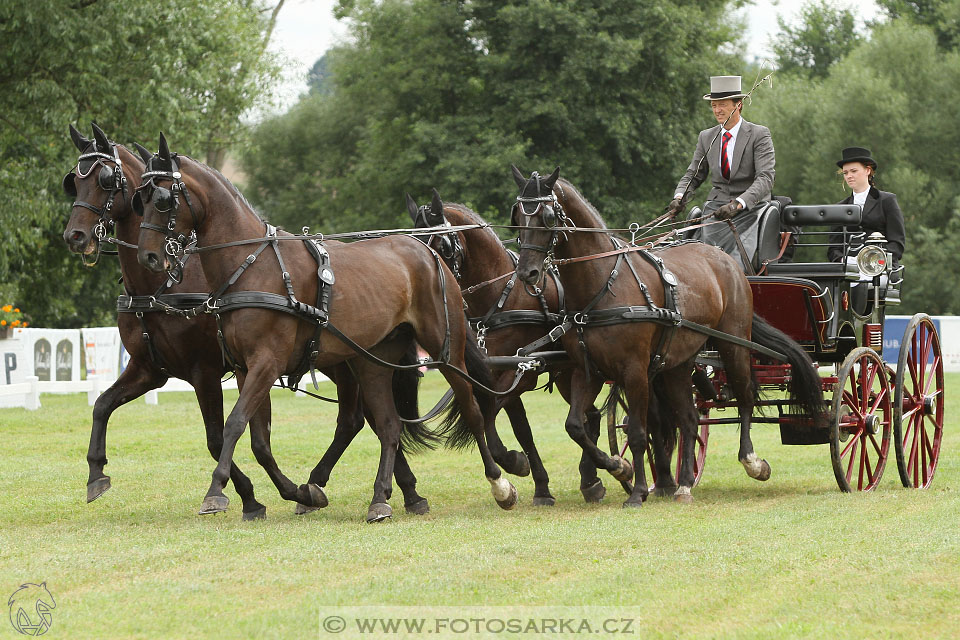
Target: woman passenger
{"x": 881, "y": 213}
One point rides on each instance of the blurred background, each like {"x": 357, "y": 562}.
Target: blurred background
{"x": 324, "y": 113}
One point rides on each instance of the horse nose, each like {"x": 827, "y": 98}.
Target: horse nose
{"x": 151, "y": 260}
{"x": 75, "y": 238}
{"x": 530, "y": 276}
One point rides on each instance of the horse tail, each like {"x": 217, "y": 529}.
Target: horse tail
{"x": 415, "y": 437}
{"x": 454, "y": 427}
{"x": 806, "y": 388}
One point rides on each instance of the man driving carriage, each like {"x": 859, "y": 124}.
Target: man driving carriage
{"x": 740, "y": 163}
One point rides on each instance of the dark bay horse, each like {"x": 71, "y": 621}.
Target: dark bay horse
{"x": 711, "y": 290}
{"x": 163, "y": 346}
{"x": 509, "y": 317}
{"x": 388, "y": 292}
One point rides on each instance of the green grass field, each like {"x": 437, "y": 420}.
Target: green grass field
{"x": 792, "y": 557}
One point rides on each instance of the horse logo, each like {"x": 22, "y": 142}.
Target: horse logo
{"x": 30, "y": 607}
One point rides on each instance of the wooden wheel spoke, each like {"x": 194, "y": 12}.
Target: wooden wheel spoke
{"x": 912, "y": 366}
{"x": 852, "y": 447}
{"x": 883, "y": 395}
{"x": 933, "y": 374}
{"x": 851, "y": 403}
{"x": 927, "y": 340}
{"x": 876, "y": 445}
{"x": 854, "y": 438}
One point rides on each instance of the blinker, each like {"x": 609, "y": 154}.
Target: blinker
{"x": 69, "y": 184}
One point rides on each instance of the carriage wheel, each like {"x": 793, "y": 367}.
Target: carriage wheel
{"x": 862, "y": 421}
{"x": 918, "y": 403}
{"x": 617, "y": 434}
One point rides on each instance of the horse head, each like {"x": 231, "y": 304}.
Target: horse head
{"x": 160, "y": 199}
{"x": 94, "y": 185}
{"x": 541, "y": 220}
{"x": 448, "y": 245}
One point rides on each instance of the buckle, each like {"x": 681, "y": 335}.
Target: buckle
{"x": 554, "y": 338}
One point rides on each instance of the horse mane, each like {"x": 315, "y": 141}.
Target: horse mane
{"x": 571, "y": 196}
{"x": 472, "y": 216}
{"x": 242, "y": 199}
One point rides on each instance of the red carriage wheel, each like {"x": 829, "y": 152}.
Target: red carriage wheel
{"x": 862, "y": 421}
{"x": 918, "y": 403}
{"x": 617, "y": 434}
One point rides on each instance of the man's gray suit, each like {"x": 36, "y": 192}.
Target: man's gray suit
{"x": 751, "y": 172}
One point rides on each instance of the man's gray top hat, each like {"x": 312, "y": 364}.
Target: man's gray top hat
{"x": 724, "y": 88}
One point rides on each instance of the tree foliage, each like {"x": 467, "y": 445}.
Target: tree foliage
{"x": 189, "y": 68}
{"x": 825, "y": 35}
{"x": 897, "y": 94}
{"x": 449, "y": 94}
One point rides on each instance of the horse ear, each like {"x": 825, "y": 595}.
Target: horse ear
{"x": 102, "y": 143}
{"x": 412, "y": 207}
{"x": 164, "y": 151}
{"x": 436, "y": 206}
{"x": 144, "y": 153}
{"x": 549, "y": 182}
{"x": 518, "y": 176}
{"x": 78, "y": 140}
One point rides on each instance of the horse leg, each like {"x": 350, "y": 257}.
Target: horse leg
{"x": 378, "y": 399}
{"x": 310, "y": 496}
{"x": 521, "y": 429}
{"x": 591, "y": 487}
{"x": 582, "y": 396}
{"x": 660, "y": 425}
{"x": 138, "y": 378}
{"x": 255, "y": 389}
{"x": 736, "y": 361}
{"x": 636, "y": 388}
{"x": 413, "y": 502}
{"x": 513, "y": 462}
{"x": 210, "y": 398}
{"x": 676, "y": 389}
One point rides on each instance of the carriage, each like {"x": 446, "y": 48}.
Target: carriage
{"x": 836, "y": 311}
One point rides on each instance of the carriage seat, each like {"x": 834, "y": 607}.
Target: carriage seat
{"x": 821, "y": 214}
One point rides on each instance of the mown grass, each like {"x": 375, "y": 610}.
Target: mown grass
{"x": 792, "y": 557}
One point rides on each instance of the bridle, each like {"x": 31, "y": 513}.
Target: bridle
{"x": 446, "y": 244}
{"x": 167, "y": 201}
{"x": 552, "y": 217}
{"x": 110, "y": 179}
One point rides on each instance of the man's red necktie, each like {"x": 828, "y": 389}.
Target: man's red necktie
{"x": 724, "y": 163}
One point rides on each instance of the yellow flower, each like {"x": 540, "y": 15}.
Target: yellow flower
{"x": 3, "y": 323}
{"x": 15, "y": 323}
{"x": 16, "y": 310}
{"x": 7, "y": 307}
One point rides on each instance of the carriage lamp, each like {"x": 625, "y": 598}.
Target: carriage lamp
{"x": 872, "y": 261}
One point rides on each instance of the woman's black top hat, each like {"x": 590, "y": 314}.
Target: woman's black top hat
{"x": 857, "y": 154}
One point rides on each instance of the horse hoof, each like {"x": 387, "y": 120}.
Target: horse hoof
{"x": 302, "y": 509}
{"x": 517, "y": 464}
{"x": 683, "y": 495}
{"x": 504, "y": 493}
{"x": 765, "y": 472}
{"x": 544, "y": 501}
{"x": 624, "y": 470}
{"x": 418, "y": 508}
{"x": 664, "y": 492}
{"x": 318, "y": 498}
{"x": 757, "y": 468}
{"x": 214, "y": 504}
{"x": 378, "y": 512}
{"x": 97, "y": 488}
{"x": 633, "y": 503}
{"x": 256, "y": 514}
{"x": 595, "y": 492}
